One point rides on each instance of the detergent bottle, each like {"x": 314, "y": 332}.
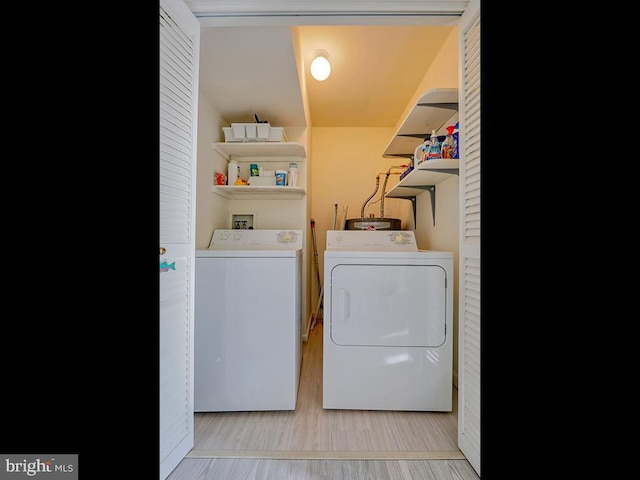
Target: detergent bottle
{"x": 233, "y": 173}
{"x": 435, "y": 150}
{"x": 420, "y": 153}
{"x": 455, "y": 141}
{"x": 447, "y": 144}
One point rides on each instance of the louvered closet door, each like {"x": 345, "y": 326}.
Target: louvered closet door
{"x": 469, "y": 262}
{"x": 179, "y": 55}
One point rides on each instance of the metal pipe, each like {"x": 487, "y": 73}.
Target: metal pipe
{"x": 384, "y": 188}
{"x": 370, "y": 197}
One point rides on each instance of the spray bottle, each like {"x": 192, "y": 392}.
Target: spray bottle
{"x": 447, "y": 144}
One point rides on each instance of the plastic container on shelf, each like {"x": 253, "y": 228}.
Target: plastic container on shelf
{"x": 281, "y": 177}
{"x": 420, "y": 154}
{"x": 253, "y": 132}
{"x": 234, "y": 172}
{"x": 276, "y": 134}
{"x": 263, "y": 131}
{"x": 292, "y": 178}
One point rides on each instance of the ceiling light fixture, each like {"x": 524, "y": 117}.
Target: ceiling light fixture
{"x": 320, "y": 67}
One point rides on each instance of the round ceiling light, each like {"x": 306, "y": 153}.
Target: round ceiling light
{"x": 320, "y": 67}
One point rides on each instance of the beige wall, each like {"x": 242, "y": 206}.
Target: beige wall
{"x": 344, "y": 163}
{"x": 211, "y": 210}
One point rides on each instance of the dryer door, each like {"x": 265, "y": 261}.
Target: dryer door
{"x": 388, "y": 305}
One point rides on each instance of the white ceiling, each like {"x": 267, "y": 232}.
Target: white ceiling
{"x": 253, "y": 68}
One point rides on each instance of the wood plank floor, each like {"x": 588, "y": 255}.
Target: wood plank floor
{"x": 313, "y": 443}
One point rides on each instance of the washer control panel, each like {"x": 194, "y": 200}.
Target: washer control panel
{"x": 256, "y": 238}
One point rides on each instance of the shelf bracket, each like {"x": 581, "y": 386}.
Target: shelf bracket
{"x": 413, "y": 206}
{"x": 432, "y": 195}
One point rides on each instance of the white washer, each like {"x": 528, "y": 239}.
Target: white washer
{"x": 388, "y": 333}
{"x": 247, "y": 321}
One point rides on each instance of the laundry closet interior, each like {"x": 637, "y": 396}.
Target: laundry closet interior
{"x": 350, "y": 155}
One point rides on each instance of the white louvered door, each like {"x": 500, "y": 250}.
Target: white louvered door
{"x": 179, "y": 50}
{"x": 469, "y": 262}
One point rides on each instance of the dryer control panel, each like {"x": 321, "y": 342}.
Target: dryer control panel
{"x": 392, "y": 240}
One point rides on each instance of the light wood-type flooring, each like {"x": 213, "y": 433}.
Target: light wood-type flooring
{"x": 313, "y": 443}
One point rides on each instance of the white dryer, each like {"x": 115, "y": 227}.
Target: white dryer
{"x": 388, "y": 323}
{"x": 247, "y": 321}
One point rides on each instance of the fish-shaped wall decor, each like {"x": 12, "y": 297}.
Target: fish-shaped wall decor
{"x": 165, "y": 266}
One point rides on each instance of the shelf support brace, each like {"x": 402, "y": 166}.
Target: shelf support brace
{"x": 432, "y": 192}
{"x": 432, "y": 195}
{"x": 413, "y": 206}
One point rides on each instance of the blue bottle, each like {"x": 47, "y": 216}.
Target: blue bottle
{"x": 455, "y": 153}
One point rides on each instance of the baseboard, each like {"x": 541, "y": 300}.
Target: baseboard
{"x": 327, "y": 455}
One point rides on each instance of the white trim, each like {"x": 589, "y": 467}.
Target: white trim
{"x": 236, "y": 13}
{"x": 299, "y": 20}
{"x": 325, "y": 7}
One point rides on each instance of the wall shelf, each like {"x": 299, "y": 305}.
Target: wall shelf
{"x": 261, "y": 149}
{"x": 427, "y": 174}
{"x": 270, "y": 192}
{"x": 424, "y": 179}
{"x": 434, "y": 110}
{"x": 262, "y": 152}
